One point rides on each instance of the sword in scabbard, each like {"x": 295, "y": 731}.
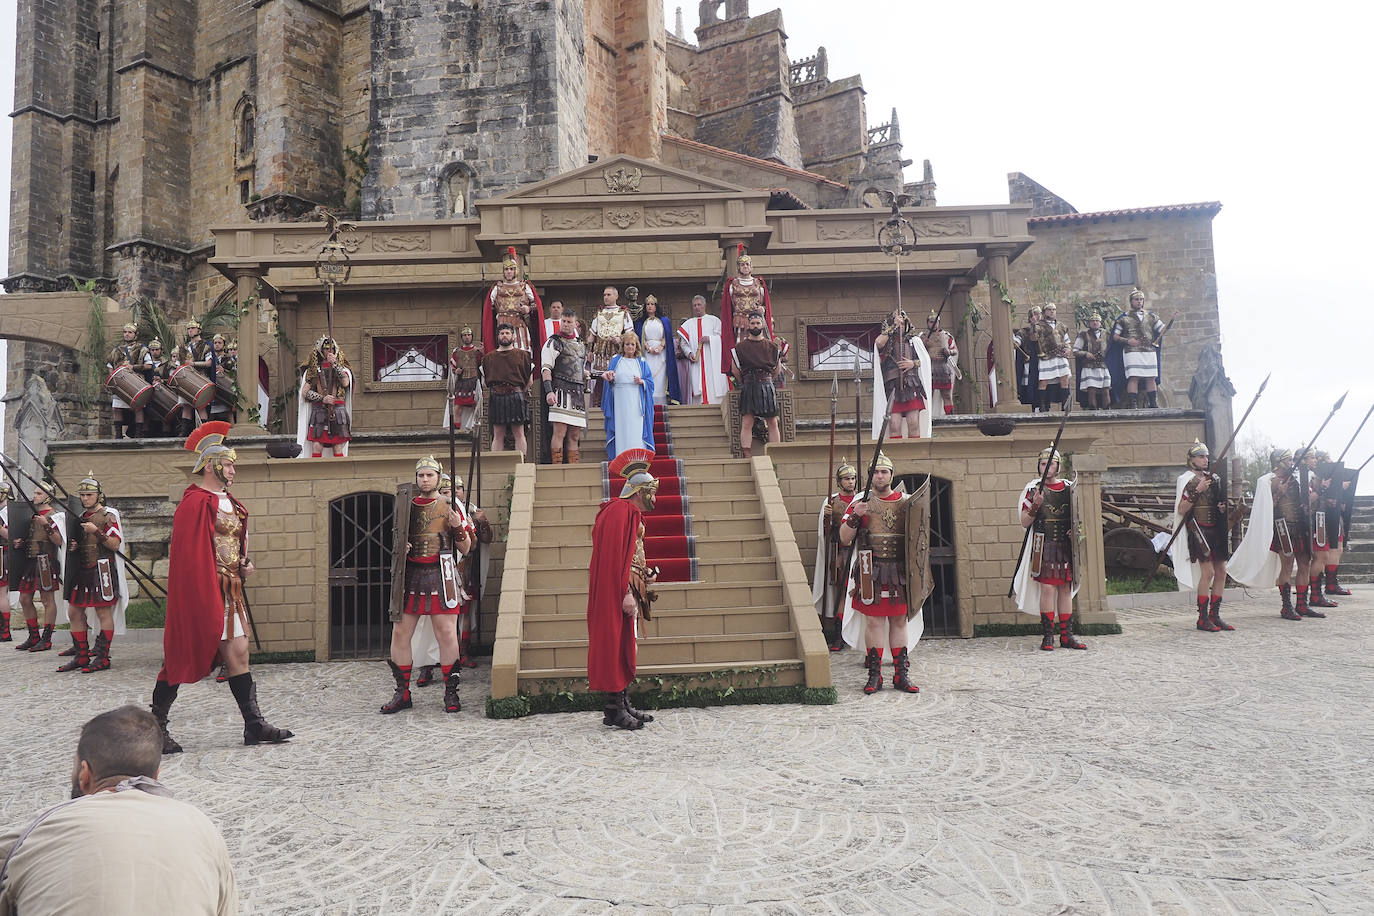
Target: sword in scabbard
{"x": 1217, "y": 462}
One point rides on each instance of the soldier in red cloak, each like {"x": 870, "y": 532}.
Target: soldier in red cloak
{"x": 207, "y": 615}
{"x": 619, "y": 588}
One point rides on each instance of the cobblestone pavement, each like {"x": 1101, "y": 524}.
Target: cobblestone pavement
{"x": 1162, "y": 771}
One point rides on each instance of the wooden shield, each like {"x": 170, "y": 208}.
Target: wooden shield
{"x": 400, "y": 534}
{"x": 919, "y": 580}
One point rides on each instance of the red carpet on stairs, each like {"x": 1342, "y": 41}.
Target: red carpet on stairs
{"x": 668, "y": 541}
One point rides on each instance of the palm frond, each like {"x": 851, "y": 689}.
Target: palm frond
{"x": 223, "y": 314}
{"x": 96, "y": 348}
{"x": 152, "y": 323}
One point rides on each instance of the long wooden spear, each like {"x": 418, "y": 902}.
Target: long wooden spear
{"x": 1054, "y": 451}
{"x": 1357, "y": 432}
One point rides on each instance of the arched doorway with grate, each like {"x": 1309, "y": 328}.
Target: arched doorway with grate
{"x": 941, "y": 609}
{"x": 360, "y": 543}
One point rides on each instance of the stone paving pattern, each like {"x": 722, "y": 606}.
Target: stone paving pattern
{"x": 1162, "y": 771}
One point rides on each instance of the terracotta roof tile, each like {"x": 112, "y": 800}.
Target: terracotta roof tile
{"x": 1211, "y": 207}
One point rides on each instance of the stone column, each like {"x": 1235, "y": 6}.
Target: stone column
{"x": 963, "y": 339}
{"x": 1001, "y": 333}
{"x": 1091, "y": 602}
{"x": 246, "y": 278}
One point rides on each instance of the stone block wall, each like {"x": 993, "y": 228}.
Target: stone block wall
{"x": 1176, "y": 266}
{"x": 599, "y": 43}
{"x": 641, "y": 78}
{"x": 460, "y": 83}
{"x": 740, "y": 80}
{"x": 832, "y": 127}
{"x": 289, "y": 517}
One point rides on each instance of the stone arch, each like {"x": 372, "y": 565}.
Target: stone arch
{"x": 453, "y": 199}
{"x": 245, "y": 131}
{"x": 61, "y": 319}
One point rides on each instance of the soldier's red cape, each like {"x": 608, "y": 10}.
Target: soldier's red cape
{"x": 610, "y": 634}
{"x": 195, "y": 608}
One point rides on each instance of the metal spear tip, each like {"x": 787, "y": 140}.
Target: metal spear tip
{"x": 1265, "y": 383}
{"x": 1339, "y": 403}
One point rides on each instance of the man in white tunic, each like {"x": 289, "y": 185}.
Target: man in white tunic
{"x": 700, "y": 344}
{"x": 1053, "y": 345}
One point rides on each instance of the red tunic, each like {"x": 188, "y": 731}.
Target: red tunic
{"x": 195, "y": 606}
{"x": 885, "y": 603}
{"x": 610, "y": 634}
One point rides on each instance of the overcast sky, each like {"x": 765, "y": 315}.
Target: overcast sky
{"x": 1116, "y": 105}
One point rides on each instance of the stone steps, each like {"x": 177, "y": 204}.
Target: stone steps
{"x": 792, "y": 673}
{"x": 717, "y": 570}
{"x": 732, "y": 649}
{"x": 679, "y": 622}
{"x": 671, "y": 596}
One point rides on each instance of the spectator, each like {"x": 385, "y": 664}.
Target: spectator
{"x": 123, "y": 845}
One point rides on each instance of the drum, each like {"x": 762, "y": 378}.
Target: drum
{"x": 224, "y": 391}
{"x": 164, "y": 404}
{"x": 191, "y": 385}
{"x": 130, "y": 387}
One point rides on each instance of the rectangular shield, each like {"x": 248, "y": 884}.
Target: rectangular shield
{"x": 104, "y": 570}
{"x": 448, "y": 578}
{"x": 1284, "y": 538}
{"x": 920, "y": 582}
{"x": 400, "y": 535}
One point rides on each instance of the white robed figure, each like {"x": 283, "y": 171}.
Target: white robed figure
{"x": 699, "y": 340}
{"x": 627, "y": 400}
{"x": 1253, "y": 563}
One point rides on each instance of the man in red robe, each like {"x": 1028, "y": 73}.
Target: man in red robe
{"x": 619, "y": 589}
{"x": 207, "y": 614}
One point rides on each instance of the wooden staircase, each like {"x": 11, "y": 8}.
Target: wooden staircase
{"x": 740, "y": 613}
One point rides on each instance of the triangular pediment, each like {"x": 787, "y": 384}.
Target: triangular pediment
{"x": 620, "y": 176}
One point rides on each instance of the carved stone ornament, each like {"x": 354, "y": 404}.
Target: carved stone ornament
{"x": 844, "y": 230}
{"x": 568, "y": 220}
{"x": 405, "y": 241}
{"x": 948, "y": 227}
{"x": 621, "y": 180}
{"x": 624, "y": 217}
{"x": 668, "y": 217}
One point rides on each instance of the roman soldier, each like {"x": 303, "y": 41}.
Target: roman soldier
{"x": 43, "y": 558}
{"x": 898, "y": 365}
{"x": 879, "y": 585}
{"x": 608, "y": 327}
{"x": 431, "y": 586}
{"x": 620, "y": 589}
{"x": 1200, "y": 556}
{"x": 198, "y": 347}
{"x": 564, "y": 371}
{"x": 1052, "y": 348}
{"x": 507, "y": 371}
{"x": 131, "y": 353}
{"x": 1047, "y": 575}
{"x": 1324, "y": 505}
{"x": 154, "y": 371}
{"x": 744, "y": 293}
{"x": 207, "y": 612}
{"x": 464, "y": 364}
{"x": 756, "y": 365}
{"x": 325, "y": 406}
{"x": 474, "y": 573}
{"x": 191, "y": 415}
{"x": 1090, "y": 353}
{"x": 828, "y": 580}
{"x": 1136, "y": 335}
{"x": 6, "y": 558}
{"x": 512, "y": 301}
{"x": 942, "y": 355}
{"x": 1339, "y": 504}
{"x": 1277, "y": 544}
{"x": 218, "y": 354}
{"x": 95, "y": 579}
{"x": 1027, "y": 358}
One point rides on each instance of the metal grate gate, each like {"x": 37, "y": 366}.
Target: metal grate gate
{"x": 360, "y": 535}
{"x": 941, "y": 609}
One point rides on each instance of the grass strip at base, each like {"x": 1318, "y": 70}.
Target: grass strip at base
{"x": 522, "y": 705}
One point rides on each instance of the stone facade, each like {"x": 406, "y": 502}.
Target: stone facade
{"x": 1174, "y": 264}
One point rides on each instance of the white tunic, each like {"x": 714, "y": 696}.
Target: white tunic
{"x": 656, "y": 355}
{"x": 699, "y": 341}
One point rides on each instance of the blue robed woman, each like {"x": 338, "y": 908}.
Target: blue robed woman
{"x": 627, "y": 399}
{"x": 655, "y": 330}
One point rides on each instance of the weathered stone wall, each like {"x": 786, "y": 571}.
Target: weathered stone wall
{"x": 740, "y": 78}
{"x": 832, "y": 127}
{"x": 641, "y": 78}
{"x": 600, "y": 44}
{"x": 459, "y": 83}
{"x": 1176, "y": 265}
